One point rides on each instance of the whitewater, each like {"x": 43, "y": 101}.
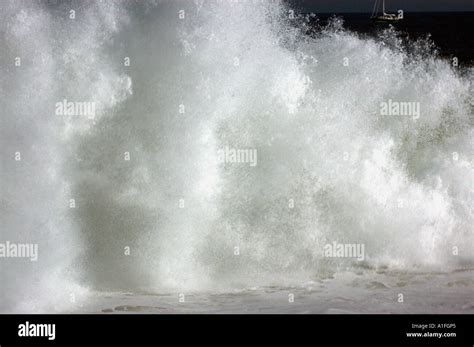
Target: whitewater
{"x": 132, "y": 211}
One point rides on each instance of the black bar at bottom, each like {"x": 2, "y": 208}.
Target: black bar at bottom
{"x": 447, "y": 330}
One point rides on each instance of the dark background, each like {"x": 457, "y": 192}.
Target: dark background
{"x": 366, "y": 6}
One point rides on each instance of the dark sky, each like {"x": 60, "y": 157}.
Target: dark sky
{"x": 391, "y": 5}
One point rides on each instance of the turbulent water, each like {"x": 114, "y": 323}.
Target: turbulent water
{"x": 155, "y": 211}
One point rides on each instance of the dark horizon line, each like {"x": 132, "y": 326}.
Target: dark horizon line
{"x": 405, "y": 12}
